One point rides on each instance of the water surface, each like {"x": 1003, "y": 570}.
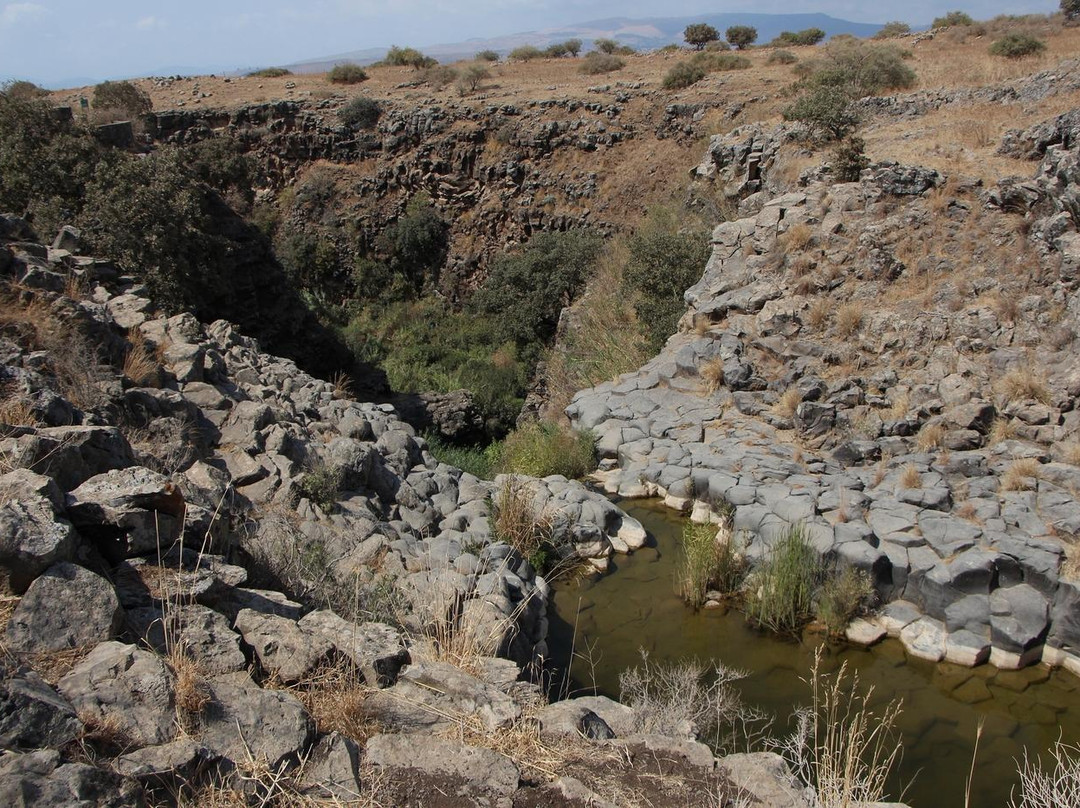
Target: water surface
{"x": 635, "y": 606}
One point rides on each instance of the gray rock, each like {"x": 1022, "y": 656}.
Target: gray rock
{"x": 284, "y": 649}
{"x": 66, "y": 607}
{"x": 376, "y": 649}
{"x": 924, "y": 639}
{"x": 32, "y": 714}
{"x": 127, "y": 687}
{"x": 564, "y": 718}
{"x": 243, "y": 721}
{"x": 202, "y": 634}
{"x": 167, "y": 766}
{"x": 40, "y": 778}
{"x": 479, "y": 770}
{"x": 1019, "y": 616}
{"x": 33, "y": 536}
{"x": 332, "y": 769}
{"x": 766, "y": 777}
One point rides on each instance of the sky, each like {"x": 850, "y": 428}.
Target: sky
{"x": 64, "y": 42}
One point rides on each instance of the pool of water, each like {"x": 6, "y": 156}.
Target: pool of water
{"x": 609, "y": 618}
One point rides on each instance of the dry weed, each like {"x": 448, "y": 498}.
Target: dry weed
{"x": 789, "y": 400}
{"x": 1022, "y": 383}
{"x": 1020, "y": 475}
{"x": 930, "y": 437}
{"x": 1071, "y": 453}
{"x": 910, "y": 477}
{"x": 15, "y": 410}
{"x": 1002, "y": 429}
{"x": 848, "y": 318}
{"x": 797, "y": 238}
{"x": 335, "y": 696}
{"x": 342, "y": 383}
{"x": 818, "y": 314}
{"x": 712, "y": 373}
{"x": 967, "y": 510}
{"x": 898, "y": 407}
{"x": 190, "y": 689}
{"x": 140, "y": 363}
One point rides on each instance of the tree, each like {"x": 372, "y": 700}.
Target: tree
{"x": 610, "y": 45}
{"x": 123, "y": 96}
{"x": 896, "y": 28}
{"x": 573, "y": 47}
{"x": 1071, "y": 9}
{"x": 700, "y": 34}
{"x": 827, "y": 110}
{"x": 953, "y": 18}
{"x": 471, "y": 76}
{"x": 741, "y": 36}
{"x": 487, "y": 56}
{"x": 347, "y": 73}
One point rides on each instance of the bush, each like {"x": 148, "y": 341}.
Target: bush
{"x": 360, "y": 113}
{"x": 471, "y": 76}
{"x": 540, "y": 449}
{"x": 699, "y": 35}
{"x": 613, "y": 47}
{"x": 1017, "y": 46}
{"x": 780, "y": 591}
{"x": 893, "y": 29}
{"x": 270, "y": 73}
{"x": 952, "y": 18}
{"x": 683, "y": 75}
{"x": 808, "y": 36}
{"x": 782, "y": 57}
{"x": 123, "y": 96}
{"x": 571, "y": 47}
{"x": 487, "y": 56}
{"x": 596, "y": 63}
{"x": 322, "y": 486}
{"x": 347, "y": 73}
{"x": 861, "y": 68}
{"x": 849, "y": 159}
{"x": 482, "y": 462}
{"x": 1071, "y": 9}
{"x": 842, "y": 598}
{"x": 526, "y": 53}
{"x": 407, "y": 57}
{"x": 719, "y": 61}
{"x": 741, "y": 36}
{"x": 415, "y": 245}
{"x": 438, "y": 76}
{"x": 515, "y": 522}
{"x": 710, "y": 561}
{"x": 22, "y": 90}
{"x": 827, "y": 110}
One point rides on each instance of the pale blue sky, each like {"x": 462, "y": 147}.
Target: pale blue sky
{"x": 54, "y": 41}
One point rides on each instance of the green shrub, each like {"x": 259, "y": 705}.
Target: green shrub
{"x": 719, "y": 61}
{"x": 849, "y": 159}
{"x": 710, "y": 561}
{"x": 407, "y": 57}
{"x": 782, "y": 57}
{"x": 221, "y": 163}
{"x": 487, "y": 56}
{"x": 515, "y": 521}
{"x": 843, "y": 597}
{"x": 123, "y": 96}
{"x": 951, "y": 19}
{"x": 270, "y": 73}
{"x": 780, "y": 590}
{"x": 360, "y": 113}
{"x": 540, "y": 449}
{"x": 861, "y": 68}
{"x": 893, "y": 29}
{"x": 526, "y": 53}
{"x": 827, "y": 110}
{"x": 741, "y": 36}
{"x": 439, "y": 76}
{"x": 699, "y": 35}
{"x": 415, "y": 245}
{"x": 471, "y": 76}
{"x": 613, "y": 47}
{"x": 1071, "y": 9}
{"x": 322, "y": 485}
{"x": 683, "y": 75}
{"x": 1017, "y": 46}
{"x": 669, "y": 48}
{"x": 346, "y": 74}
{"x": 22, "y": 90}
{"x": 718, "y": 45}
{"x": 596, "y": 63}
{"x": 806, "y": 37}
{"x": 481, "y": 461}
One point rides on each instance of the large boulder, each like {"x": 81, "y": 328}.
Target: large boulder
{"x": 67, "y": 607}
{"x": 202, "y": 634}
{"x": 375, "y": 648}
{"x": 32, "y": 714}
{"x": 470, "y": 775}
{"x": 284, "y": 649}
{"x": 33, "y": 536}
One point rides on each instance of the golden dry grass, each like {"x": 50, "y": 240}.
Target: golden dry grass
{"x": 797, "y": 238}
{"x": 15, "y": 410}
{"x": 1023, "y": 383}
{"x": 712, "y": 374}
{"x": 910, "y": 477}
{"x": 930, "y": 437}
{"x": 189, "y": 689}
{"x": 1021, "y": 475}
{"x": 786, "y": 404}
{"x": 1001, "y": 429}
{"x": 849, "y": 317}
{"x": 817, "y": 315}
{"x": 1071, "y": 453}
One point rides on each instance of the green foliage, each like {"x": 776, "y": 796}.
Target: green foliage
{"x": 556, "y": 50}
{"x": 221, "y": 164}
{"x": 487, "y": 56}
{"x": 780, "y": 591}
{"x": 710, "y": 561}
{"x": 613, "y": 46}
{"x": 669, "y": 48}
{"x": 526, "y": 53}
{"x": 407, "y": 57}
{"x": 346, "y": 74}
{"x": 416, "y": 244}
{"x": 360, "y": 113}
{"x": 1071, "y": 9}
{"x": 741, "y": 36}
{"x": 270, "y": 73}
{"x": 683, "y": 75}
{"x": 573, "y": 47}
{"x": 596, "y": 63}
{"x": 1017, "y": 46}
{"x": 22, "y": 90}
{"x": 719, "y": 61}
{"x": 540, "y": 449}
{"x": 664, "y": 262}
{"x": 439, "y": 76}
{"x": 951, "y": 19}
{"x": 481, "y": 461}
{"x": 849, "y": 159}
{"x": 861, "y": 68}
{"x": 700, "y": 34}
{"x": 808, "y": 36}
{"x": 471, "y": 76}
{"x": 842, "y": 597}
{"x": 122, "y": 96}
{"x": 524, "y": 293}
{"x": 827, "y": 110}
{"x": 893, "y": 29}
{"x": 782, "y": 57}
{"x": 322, "y": 485}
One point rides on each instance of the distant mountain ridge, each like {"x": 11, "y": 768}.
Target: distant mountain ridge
{"x": 642, "y": 34}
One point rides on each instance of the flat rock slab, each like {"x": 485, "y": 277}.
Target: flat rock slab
{"x": 127, "y": 687}
{"x": 285, "y": 650}
{"x": 202, "y": 634}
{"x": 565, "y": 718}
{"x": 435, "y": 694}
{"x": 166, "y": 765}
{"x": 865, "y": 632}
{"x": 375, "y": 648}
{"x": 478, "y": 772}
{"x": 924, "y": 639}
{"x": 242, "y": 721}
{"x": 67, "y": 607}
{"x": 32, "y": 714}
{"x": 765, "y": 778}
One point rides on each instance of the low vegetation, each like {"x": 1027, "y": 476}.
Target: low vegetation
{"x": 711, "y": 561}
{"x": 1017, "y": 46}
{"x": 806, "y": 37}
{"x": 407, "y": 57}
{"x": 121, "y": 97}
{"x": 952, "y": 19}
{"x": 782, "y": 57}
{"x": 1053, "y": 784}
{"x": 780, "y": 590}
{"x": 487, "y": 56}
{"x": 360, "y": 113}
{"x": 613, "y": 47}
{"x": 269, "y": 73}
{"x": 891, "y": 30}
{"x": 596, "y": 63}
{"x": 525, "y": 53}
{"x": 346, "y": 74}
{"x": 540, "y": 449}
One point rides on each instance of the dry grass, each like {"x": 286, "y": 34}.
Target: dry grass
{"x": 910, "y": 477}
{"x": 898, "y": 408}
{"x": 797, "y": 238}
{"x": 140, "y": 362}
{"x": 343, "y": 385}
{"x": 190, "y": 688}
{"x": 1071, "y": 453}
{"x": 789, "y": 400}
{"x": 712, "y": 374}
{"x": 1021, "y": 475}
{"x": 849, "y": 318}
{"x": 335, "y": 697}
{"x": 930, "y": 437}
{"x": 1022, "y": 383}
{"x": 1054, "y": 786}
{"x": 1001, "y": 429}
{"x": 818, "y": 314}
{"x": 15, "y": 410}
{"x": 967, "y": 510}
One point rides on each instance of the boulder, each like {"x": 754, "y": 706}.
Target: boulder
{"x": 203, "y": 635}
{"x": 167, "y": 767}
{"x": 471, "y": 771}
{"x": 42, "y": 778}
{"x": 67, "y": 607}
{"x": 332, "y": 769}
{"x": 32, "y": 535}
{"x": 32, "y": 714}
{"x": 568, "y": 718}
{"x": 130, "y": 689}
{"x": 285, "y": 650}
{"x": 375, "y": 648}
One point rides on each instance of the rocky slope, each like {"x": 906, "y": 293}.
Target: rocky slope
{"x": 229, "y": 585}
{"x": 891, "y": 364}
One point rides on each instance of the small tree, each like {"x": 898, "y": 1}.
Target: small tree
{"x": 894, "y": 29}
{"x": 610, "y": 45}
{"x": 22, "y": 90}
{"x": 471, "y": 77}
{"x": 827, "y": 110}
{"x": 346, "y": 74}
{"x": 741, "y": 36}
{"x": 408, "y": 57}
{"x": 487, "y": 56}
{"x": 953, "y": 18}
{"x": 700, "y": 34}
{"x": 121, "y": 95}
{"x": 573, "y": 47}
{"x": 526, "y": 53}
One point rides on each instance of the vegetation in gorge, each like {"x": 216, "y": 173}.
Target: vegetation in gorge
{"x": 711, "y": 561}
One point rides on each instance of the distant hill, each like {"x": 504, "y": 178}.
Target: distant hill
{"x": 641, "y": 34}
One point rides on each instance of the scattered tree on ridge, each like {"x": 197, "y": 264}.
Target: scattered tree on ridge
{"x": 742, "y": 36}
{"x": 700, "y": 34}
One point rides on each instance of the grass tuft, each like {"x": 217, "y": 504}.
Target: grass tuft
{"x": 780, "y": 590}
{"x": 540, "y": 449}
{"x": 710, "y": 561}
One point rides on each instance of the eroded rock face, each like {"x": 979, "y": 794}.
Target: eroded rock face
{"x": 67, "y": 607}
{"x": 32, "y": 714}
{"x": 33, "y": 533}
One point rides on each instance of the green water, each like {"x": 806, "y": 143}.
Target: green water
{"x": 634, "y": 606}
